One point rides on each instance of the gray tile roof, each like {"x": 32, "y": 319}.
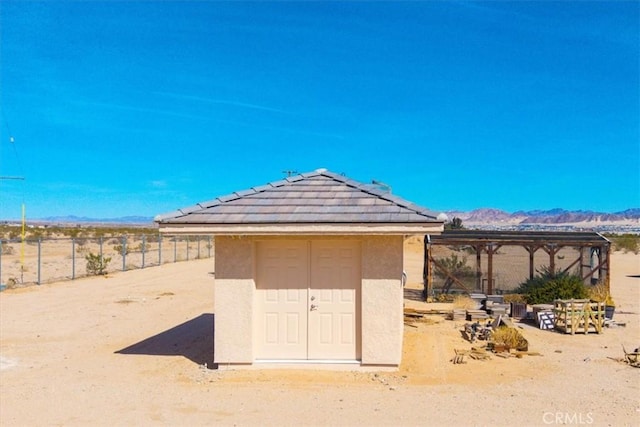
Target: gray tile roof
{"x": 319, "y": 197}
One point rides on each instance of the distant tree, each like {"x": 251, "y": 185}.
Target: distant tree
{"x": 454, "y": 224}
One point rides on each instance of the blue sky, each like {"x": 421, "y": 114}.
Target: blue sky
{"x": 137, "y": 108}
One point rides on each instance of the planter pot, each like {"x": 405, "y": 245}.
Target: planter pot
{"x": 608, "y": 311}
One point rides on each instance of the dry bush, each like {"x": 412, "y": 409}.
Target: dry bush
{"x": 509, "y": 337}
{"x": 465, "y": 302}
{"x": 509, "y": 298}
{"x": 600, "y": 293}
{"x": 12, "y": 283}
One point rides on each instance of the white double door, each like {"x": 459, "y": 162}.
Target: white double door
{"x": 307, "y": 300}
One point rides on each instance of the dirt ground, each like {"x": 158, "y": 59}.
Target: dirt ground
{"x": 135, "y": 348}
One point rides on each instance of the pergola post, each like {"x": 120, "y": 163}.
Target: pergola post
{"x": 478, "y": 249}
{"x": 552, "y": 257}
{"x": 532, "y": 250}
{"x": 607, "y": 266}
{"x": 490, "y": 269}
{"x": 427, "y": 279}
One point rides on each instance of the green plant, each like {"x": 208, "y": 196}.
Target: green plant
{"x": 96, "y": 264}
{"x": 549, "y": 285}
{"x": 457, "y": 267}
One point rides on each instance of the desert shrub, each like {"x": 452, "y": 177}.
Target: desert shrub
{"x": 509, "y": 337}
{"x": 600, "y": 293}
{"x": 626, "y": 243}
{"x": 153, "y": 238}
{"x": 509, "y": 298}
{"x": 549, "y": 285}
{"x": 464, "y": 301}
{"x": 12, "y": 283}
{"x": 119, "y": 249}
{"x": 7, "y": 250}
{"x": 96, "y": 264}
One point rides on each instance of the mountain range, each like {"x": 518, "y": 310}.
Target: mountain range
{"x": 477, "y": 218}
{"x": 482, "y": 218}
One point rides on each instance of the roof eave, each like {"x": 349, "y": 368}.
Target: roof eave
{"x": 305, "y": 228}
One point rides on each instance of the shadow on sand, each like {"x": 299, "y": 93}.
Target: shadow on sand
{"x": 192, "y": 339}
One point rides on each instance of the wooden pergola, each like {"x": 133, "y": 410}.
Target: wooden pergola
{"x": 489, "y": 242}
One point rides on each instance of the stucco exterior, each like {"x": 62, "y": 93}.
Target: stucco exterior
{"x": 382, "y": 300}
{"x": 381, "y": 323}
{"x": 335, "y": 298}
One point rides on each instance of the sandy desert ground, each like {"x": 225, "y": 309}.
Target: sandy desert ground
{"x": 131, "y": 349}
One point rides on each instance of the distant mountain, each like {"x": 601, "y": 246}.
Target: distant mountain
{"x": 537, "y": 219}
{"x": 83, "y": 219}
{"x": 484, "y": 218}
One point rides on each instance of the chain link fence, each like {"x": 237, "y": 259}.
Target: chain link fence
{"x": 45, "y": 260}
{"x": 510, "y": 266}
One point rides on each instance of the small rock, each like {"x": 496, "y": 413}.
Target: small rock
{"x": 392, "y": 388}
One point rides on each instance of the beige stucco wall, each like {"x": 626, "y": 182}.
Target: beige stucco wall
{"x": 234, "y": 289}
{"x": 381, "y": 321}
{"x": 382, "y": 299}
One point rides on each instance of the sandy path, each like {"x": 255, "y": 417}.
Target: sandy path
{"x": 130, "y": 350}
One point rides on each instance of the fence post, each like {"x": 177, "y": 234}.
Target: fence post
{"x": 159, "y": 249}
{"x": 188, "y": 248}
{"x": 144, "y": 247}
{"x": 199, "y": 238}
{"x": 101, "y": 262}
{"x": 39, "y": 252}
{"x": 209, "y": 247}
{"x": 73, "y": 258}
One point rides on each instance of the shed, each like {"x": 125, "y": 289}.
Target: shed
{"x": 308, "y": 269}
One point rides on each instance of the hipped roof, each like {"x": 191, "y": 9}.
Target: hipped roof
{"x": 318, "y": 197}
